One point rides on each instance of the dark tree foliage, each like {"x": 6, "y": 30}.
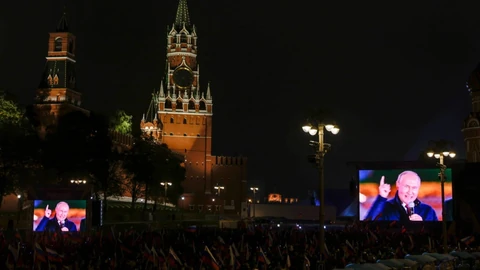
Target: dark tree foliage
{"x": 121, "y": 122}
{"x": 169, "y": 167}
{"x": 19, "y": 148}
{"x": 150, "y": 164}
{"x": 81, "y": 148}
{"x": 67, "y": 150}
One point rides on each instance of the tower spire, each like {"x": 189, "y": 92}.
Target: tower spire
{"x": 162, "y": 92}
{"x": 183, "y": 18}
{"x": 209, "y": 94}
{"x": 62, "y": 25}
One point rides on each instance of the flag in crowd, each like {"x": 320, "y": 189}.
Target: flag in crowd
{"x": 260, "y": 247}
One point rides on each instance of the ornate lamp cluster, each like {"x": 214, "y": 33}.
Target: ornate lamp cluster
{"x": 78, "y": 182}
{"x": 313, "y": 130}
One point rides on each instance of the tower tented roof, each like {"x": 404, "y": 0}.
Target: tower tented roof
{"x": 183, "y": 18}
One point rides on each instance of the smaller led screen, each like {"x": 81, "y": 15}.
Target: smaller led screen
{"x": 404, "y": 195}
{"x": 59, "y": 216}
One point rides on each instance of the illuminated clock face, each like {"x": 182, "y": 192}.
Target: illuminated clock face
{"x": 183, "y": 77}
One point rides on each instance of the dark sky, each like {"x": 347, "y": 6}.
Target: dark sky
{"x": 393, "y": 73}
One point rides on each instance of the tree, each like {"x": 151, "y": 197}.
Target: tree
{"x": 67, "y": 149}
{"x": 19, "y": 148}
{"x": 81, "y": 148}
{"x": 149, "y": 164}
{"x": 138, "y": 167}
{"x": 121, "y": 122}
{"x": 167, "y": 167}
{"x": 10, "y": 113}
{"x": 105, "y": 162}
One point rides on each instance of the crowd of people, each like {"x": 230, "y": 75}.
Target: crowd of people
{"x": 266, "y": 246}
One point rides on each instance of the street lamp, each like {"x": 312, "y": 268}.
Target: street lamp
{"x": 165, "y": 184}
{"x": 78, "y": 182}
{"x": 218, "y": 188}
{"x": 313, "y": 129}
{"x": 440, "y": 154}
{"x": 255, "y": 190}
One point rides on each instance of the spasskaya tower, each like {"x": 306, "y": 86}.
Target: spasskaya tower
{"x": 180, "y": 115}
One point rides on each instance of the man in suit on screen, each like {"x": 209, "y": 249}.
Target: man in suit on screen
{"x": 405, "y": 205}
{"x": 59, "y": 223}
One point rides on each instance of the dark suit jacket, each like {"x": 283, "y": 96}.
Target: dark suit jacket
{"x": 83, "y": 225}
{"x": 449, "y": 210}
{"x": 52, "y": 225}
{"x": 393, "y": 210}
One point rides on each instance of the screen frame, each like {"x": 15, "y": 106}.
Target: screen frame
{"x": 53, "y": 205}
{"x": 406, "y": 165}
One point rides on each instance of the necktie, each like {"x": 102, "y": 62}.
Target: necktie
{"x": 409, "y": 211}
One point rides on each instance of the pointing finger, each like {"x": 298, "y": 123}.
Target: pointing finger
{"x": 382, "y": 180}
{"x": 46, "y": 207}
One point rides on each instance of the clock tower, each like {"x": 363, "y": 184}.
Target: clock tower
{"x": 181, "y": 111}
{"x": 57, "y": 93}
{"x": 180, "y": 115}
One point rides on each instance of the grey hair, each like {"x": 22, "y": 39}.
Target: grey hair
{"x": 400, "y": 176}
{"x": 62, "y": 203}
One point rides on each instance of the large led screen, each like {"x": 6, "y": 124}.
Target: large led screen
{"x": 59, "y": 216}
{"x": 404, "y": 195}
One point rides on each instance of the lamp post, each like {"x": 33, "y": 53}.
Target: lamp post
{"x": 219, "y": 189}
{"x": 255, "y": 190}
{"x": 313, "y": 129}
{"x": 165, "y": 184}
{"x": 440, "y": 155}
{"x": 183, "y": 199}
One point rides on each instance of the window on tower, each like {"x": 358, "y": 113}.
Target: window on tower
{"x": 70, "y": 46}
{"x": 203, "y": 107}
{"x": 168, "y": 104}
{"x": 191, "y": 105}
{"x": 58, "y": 44}
{"x": 179, "y": 105}
{"x": 183, "y": 38}
{"x": 184, "y": 120}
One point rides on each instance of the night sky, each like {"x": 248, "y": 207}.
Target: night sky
{"x": 393, "y": 73}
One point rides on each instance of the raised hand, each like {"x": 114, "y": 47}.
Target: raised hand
{"x": 48, "y": 212}
{"x": 383, "y": 189}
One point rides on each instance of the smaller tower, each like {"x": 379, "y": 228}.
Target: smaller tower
{"x": 57, "y": 93}
{"x": 150, "y": 126}
{"x": 471, "y": 125}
